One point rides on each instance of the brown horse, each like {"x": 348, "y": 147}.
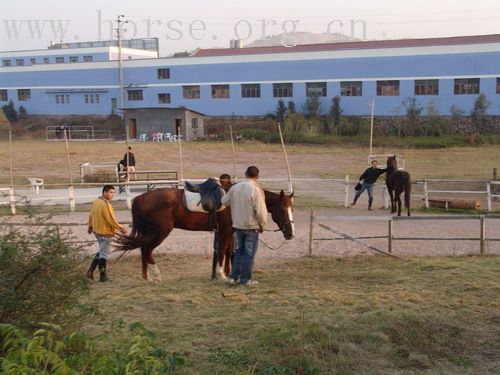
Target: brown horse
{"x": 157, "y": 212}
{"x": 280, "y": 206}
{"x": 397, "y": 182}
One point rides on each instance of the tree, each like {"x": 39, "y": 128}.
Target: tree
{"x": 312, "y": 106}
{"x": 478, "y": 113}
{"x": 10, "y": 112}
{"x": 413, "y": 112}
{"x": 335, "y": 110}
{"x": 280, "y": 110}
{"x": 22, "y": 113}
{"x": 291, "y": 107}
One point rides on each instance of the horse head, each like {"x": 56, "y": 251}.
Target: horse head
{"x": 392, "y": 162}
{"x": 280, "y": 206}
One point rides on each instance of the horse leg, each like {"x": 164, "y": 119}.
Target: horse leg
{"x": 398, "y": 200}
{"x": 147, "y": 257}
{"x": 391, "y": 195}
{"x": 215, "y": 258}
{"x": 228, "y": 253}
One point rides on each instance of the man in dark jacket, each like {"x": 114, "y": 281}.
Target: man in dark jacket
{"x": 369, "y": 177}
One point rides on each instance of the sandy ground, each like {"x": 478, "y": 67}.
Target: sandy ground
{"x": 356, "y": 222}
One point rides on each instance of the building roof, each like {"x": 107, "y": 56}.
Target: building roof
{"x": 398, "y": 43}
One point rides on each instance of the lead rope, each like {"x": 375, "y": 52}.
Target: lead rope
{"x": 272, "y": 248}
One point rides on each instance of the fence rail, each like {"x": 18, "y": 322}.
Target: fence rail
{"x": 390, "y": 236}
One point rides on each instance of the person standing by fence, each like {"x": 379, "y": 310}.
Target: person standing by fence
{"x": 103, "y": 223}
{"x": 369, "y": 177}
{"x": 249, "y": 216}
{"x": 129, "y": 161}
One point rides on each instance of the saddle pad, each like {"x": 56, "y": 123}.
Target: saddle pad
{"x": 193, "y": 202}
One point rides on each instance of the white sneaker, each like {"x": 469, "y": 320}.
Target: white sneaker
{"x": 232, "y": 281}
{"x": 251, "y": 282}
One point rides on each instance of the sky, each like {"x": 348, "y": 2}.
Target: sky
{"x": 185, "y": 25}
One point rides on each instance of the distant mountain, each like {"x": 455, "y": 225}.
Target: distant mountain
{"x": 299, "y": 38}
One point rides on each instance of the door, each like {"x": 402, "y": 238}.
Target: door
{"x": 132, "y": 128}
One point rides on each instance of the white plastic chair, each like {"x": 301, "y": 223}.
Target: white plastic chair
{"x": 36, "y": 183}
{"x": 173, "y": 138}
{"x": 158, "y": 137}
{"x": 143, "y": 137}
{"x": 167, "y": 137}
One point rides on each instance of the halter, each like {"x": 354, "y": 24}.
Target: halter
{"x": 281, "y": 219}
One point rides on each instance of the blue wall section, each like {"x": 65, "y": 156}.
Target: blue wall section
{"x": 101, "y": 78}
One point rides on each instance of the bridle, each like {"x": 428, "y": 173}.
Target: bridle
{"x": 282, "y": 219}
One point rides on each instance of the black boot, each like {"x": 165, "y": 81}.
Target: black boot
{"x": 102, "y": 269}
{"x": 93, "y": 266}
{"x": 370, "y": 201}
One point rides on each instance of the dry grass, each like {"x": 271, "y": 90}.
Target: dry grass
{"x": 340, "y": 316}
{"x": 202, "y": 159}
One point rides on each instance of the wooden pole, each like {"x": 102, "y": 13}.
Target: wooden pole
{"x": 389, "y": 235}
{"x": 290, "y": 187}
{"x": 234, "y": 151}
{"x": 70, "y": 186}
{"x": 482, "y": 234}
{"x": 311, "y": 229}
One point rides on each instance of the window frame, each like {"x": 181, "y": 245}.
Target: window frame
{"x": 426, "y": 87}
{"x": 466, "y": 86}
{"x": 135, "y": 95}
{"x": 350, "y": 88}
{"x": 283, "y": 90}
{"x": 163, "y": 73}
{"x": 320, "y": 90}
{"x": 220, "y": 91}
{"x": 250, "y": 90}
{"x": 165, "y": 95}
{"x": 390, "y": 87}
{"x": 23, "y": 95}
{"x": 194, "y": 92}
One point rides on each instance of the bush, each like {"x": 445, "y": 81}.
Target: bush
{"x": 260, "y": 135}
{"x": 40, "y": 277}
{"x": 48, "y": 352}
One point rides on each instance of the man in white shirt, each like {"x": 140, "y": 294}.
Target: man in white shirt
{"x": 249, "y": 216}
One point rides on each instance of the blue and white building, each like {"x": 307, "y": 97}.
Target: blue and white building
{"x": 449, "y": 72}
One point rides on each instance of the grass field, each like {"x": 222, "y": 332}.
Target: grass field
{"x": 203, "y": 159}
{"x": 336, "y": 316}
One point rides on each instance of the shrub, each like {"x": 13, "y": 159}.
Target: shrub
{"x": 40, "y": 277}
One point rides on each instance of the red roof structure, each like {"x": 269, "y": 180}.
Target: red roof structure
{"x": 342, "y": 46}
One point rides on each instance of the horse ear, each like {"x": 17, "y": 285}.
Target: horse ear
{"x": 291, "y": 194}
{"x": 282, "y": 194}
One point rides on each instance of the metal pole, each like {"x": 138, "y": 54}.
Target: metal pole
{"x": 389, "y": 235}
{"x": 371, "y": 127}
{"x": 179, "y": 140}
{"x": 482, "y": 234}
{"x": 290, "y": 187}
{"x": 488, "y": 195}
{"x": 71, "y": 191}
{"x": 426, "y": 194}
{"x": 346, "y": 191}
{"x": 11, "y": 161}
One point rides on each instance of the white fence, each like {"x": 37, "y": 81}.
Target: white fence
{"x": 76, "y": 133}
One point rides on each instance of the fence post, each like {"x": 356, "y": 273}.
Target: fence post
{"x": 386, "y": 197}
{"x": 346, "y": 191}
{"x": 71, "y": 193}
{"x": 127, "y": 192}
{"x": 311, "y": 228}
{"x": 12, "y": 201}
{"x": 426, "y": 194}
{"x": 488, "y": 195}
{"x": 389, "y": 235}
{"x": 482, "y": 234}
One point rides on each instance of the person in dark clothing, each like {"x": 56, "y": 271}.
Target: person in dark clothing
{"x": 367, "y": 180}
{"x": 129, "y": 161}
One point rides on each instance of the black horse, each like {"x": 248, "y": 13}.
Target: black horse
{"x": 397, "y": 182}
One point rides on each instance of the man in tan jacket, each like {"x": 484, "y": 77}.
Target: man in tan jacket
{"x": 249, "y": 215}
{"x": 103, "y": 223}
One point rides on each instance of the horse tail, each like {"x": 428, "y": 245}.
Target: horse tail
{"x": 144, "y": 232}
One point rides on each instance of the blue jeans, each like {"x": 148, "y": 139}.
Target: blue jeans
{"x": 105, "y": 243}
{"x": 369, "y": 189}
{"x": 246, "y": 242}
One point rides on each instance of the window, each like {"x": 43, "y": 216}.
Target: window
{"x": 59, "y": 60}
{"x": 88, "y": 58}
{"x": 191, "y": 92}
{"x": 86, "y": 99}
{"x": 97, "y": 99}
{"x": 6, "y": 63}
{"x": 387, "y": 88}
{"x": 351, "y": 88}
{"x": 163, "y": 98}
{"x": 220, "y": 91}
{"x": 3, "y": 96}
{"x": 315, "y": 88}
{"x": 466, "y": 86}
{"x": 250, "y": 91}
{"x": 73, "y": 59}
{"x": 426, "y": 87}
{"x": 67, "y": 99}
{"x": 19, "y": 62}
{"x": 62, "y": 99}
{"x": 282, "y": 90}
{"x": 33, "y": 61}
{"x": 45, "y": 60}
{"x": 23, "y": 95}
{"x": 91, "y": 98}
{"x": 164, "y": 73}
{"x": 498, "y": 85}
{"x": 194, "y": 123}
{"x": 134, "y": 95}
{"x": 57, "y": 99}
